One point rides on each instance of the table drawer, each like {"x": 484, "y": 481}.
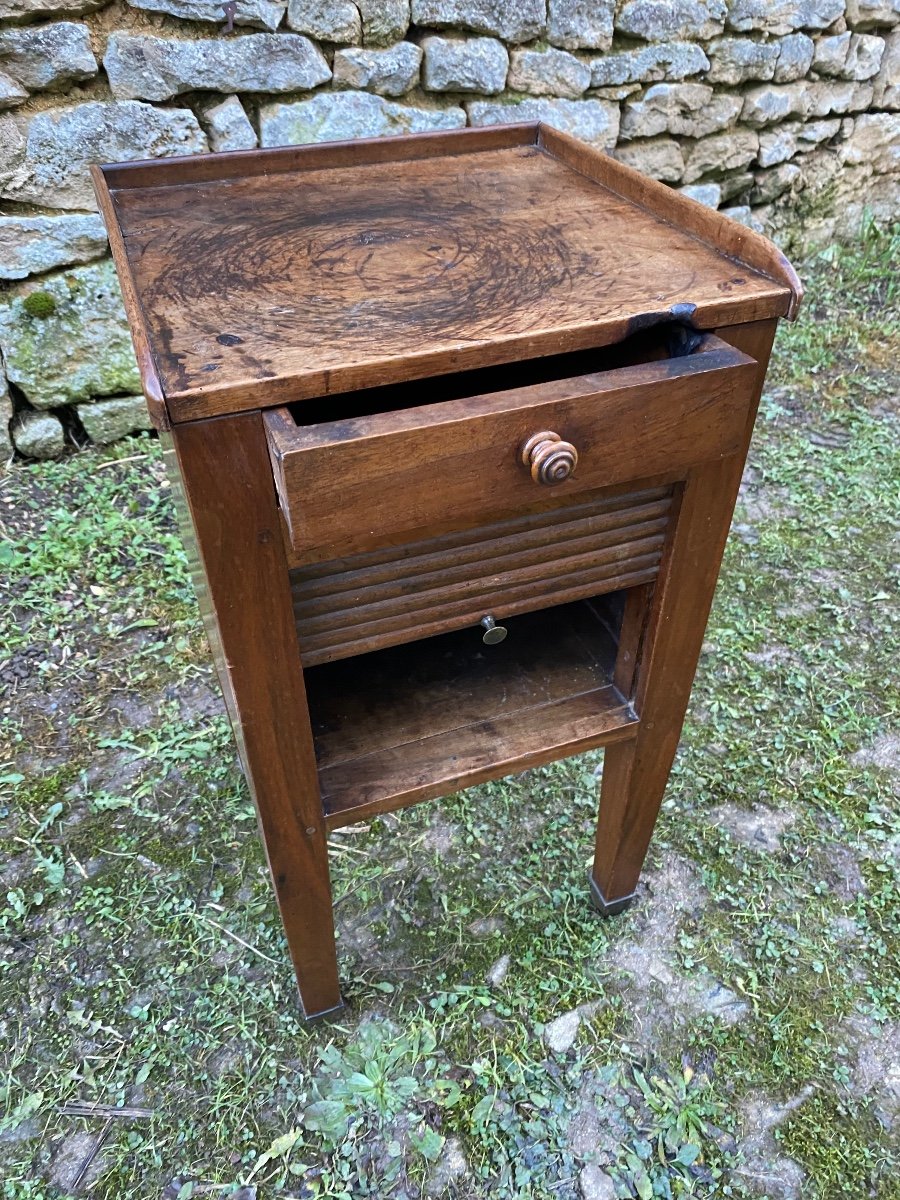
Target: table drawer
{"x": 347, "y": 486}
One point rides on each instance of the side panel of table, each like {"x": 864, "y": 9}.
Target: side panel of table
{"x": 227, "y": 480}
{"x": 674, "y": 623}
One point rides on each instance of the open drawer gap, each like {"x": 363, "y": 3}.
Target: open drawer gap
{"x": 425, "y": 718}
{"x": 669, "y": 339}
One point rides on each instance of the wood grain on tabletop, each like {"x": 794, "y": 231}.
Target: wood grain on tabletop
{"x": 259, "y": 287}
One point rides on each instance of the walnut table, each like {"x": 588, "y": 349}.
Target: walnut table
{"x": 459, "y": 420}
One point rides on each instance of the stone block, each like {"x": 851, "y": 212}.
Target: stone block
{"x": 887, "y": 82}
{"x": 768, "y": 104}
{"x": 665, "y": 20}
{"x": 548, "y": 73}
{"x": 38, "y": 435}
{"x": 830, "y": 54}
{"x": 33, "y": 245}
{"x": 826, "y": 97}
{"x": 783, "y": 16}
{"x": 336, "y": 116}
{"x": 106, "y": 421}
{"x": 325, "y": 20}
{"x": 383, "y": 21}
{"x": 455, "y": 64}
{"x": 778, "y": 145}
{"x": 227, "y": 125}
{"x": 6, "y": 412}
{"x": 864, "y": 56}
{"x": 44, "y": 156}
{"x": 259, "y": 14}
{"x": 709, "y": 194}
{"x": 660, "y": 158}
{"x": 519, "y": 22}
{"x": 581, "y": 24}
{"x": 864, "y": 14}
{"x": 65, "y": 338}
{"x": 45, "y": 57}
{"x": 151, "y": 68}
{"x": 595, "y": 121}
{"x": 389, "y": 72}
{"x": 795, "y": 55}
{"x": 719, "y": 153}
{"x": 12, "y": 94}
{"x": 651, "y": 64}
{"x": 735, "y": 185}
{"x": 744, "y": 215}
{"x": 737, "y": 60}
{"x": 23, "y": 12}
{"x": 619, "y": 93}
{"x": 769, "y": 185}
{"x": 685, "y": 109}
{"x": 874, "y": 142}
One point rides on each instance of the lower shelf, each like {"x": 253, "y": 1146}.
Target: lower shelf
{"x": 424, "y": 719}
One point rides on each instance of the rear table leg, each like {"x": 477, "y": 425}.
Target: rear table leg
{"x": 635, "y": 772}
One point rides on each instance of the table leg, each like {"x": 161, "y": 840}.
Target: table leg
{"x": 245, "y": 590}
{"x": 635, "y": 772}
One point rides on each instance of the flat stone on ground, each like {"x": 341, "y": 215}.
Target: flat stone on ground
{"x": 106, "y": 421}
{"x": 595, "y": 1184}
{"x": 758, "y": 828}
{"x": 561, "y": 1032}
{"x": 38, "y": 435}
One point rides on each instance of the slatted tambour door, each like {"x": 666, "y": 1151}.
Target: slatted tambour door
{"x": 385, "y": 597}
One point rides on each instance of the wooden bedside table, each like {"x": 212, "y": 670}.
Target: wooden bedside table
{"x": 423, "y": 392}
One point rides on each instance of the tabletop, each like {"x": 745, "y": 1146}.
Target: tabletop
{"x": 265, "y": 277}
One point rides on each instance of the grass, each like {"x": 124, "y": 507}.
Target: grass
{"x": 143, "y": 967}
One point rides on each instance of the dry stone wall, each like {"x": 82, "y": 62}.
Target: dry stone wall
{"x": 783, "y": 113}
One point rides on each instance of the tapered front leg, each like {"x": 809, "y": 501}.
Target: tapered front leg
{"x": 244, "y": 590}
{"x": 635, "y": 772}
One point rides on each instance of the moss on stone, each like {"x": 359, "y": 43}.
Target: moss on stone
{"x": 39, "y": 305}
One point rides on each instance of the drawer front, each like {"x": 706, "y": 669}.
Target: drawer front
{"x": 353, "y": 485}
{"x": 384, "y": 598}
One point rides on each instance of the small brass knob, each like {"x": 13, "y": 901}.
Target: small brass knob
{"x": 549, "y": 459}
{"x": 493, "y": 633}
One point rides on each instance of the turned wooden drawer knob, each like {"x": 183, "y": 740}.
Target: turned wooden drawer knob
{"x": 549, "y": 459}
